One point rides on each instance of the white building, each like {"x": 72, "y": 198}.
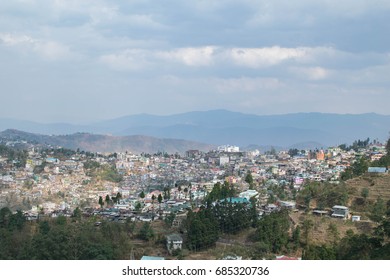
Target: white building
{"x": 174, "y": 242}
{"x": 229, "y": 149}
{"x": 248, "y": 194}
{"x": 223, "y": 160}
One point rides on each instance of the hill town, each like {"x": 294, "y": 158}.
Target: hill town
{"x": 44, "y": 182}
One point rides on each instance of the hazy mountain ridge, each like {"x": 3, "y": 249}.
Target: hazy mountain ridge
{"x": 219, "y": 127}
{"x": 105, "y": 143}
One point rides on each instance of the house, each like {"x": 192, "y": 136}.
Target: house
{"x": 235, "y": 200}
{"x": 320, "y": 212}
{"x": 248, "y": 194}
{"x": 232, "y": 257}
{"x": 340, "y": 211}
{"x": 271, "y": 207}
{"x": 287, "y": 258}
{"x": 174, "y": 242}
{"x": 380, "y": 170}
{"x": 287, "y": 204}
{"x": 152, "y": 258}
{"x": 355, "y": 218}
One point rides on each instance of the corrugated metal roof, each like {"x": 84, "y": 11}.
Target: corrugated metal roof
{"x": 377, "y": 169}
{"x": 150, "y": 258}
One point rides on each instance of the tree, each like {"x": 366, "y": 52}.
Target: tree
{"x": 137, "y": 206}
{"x": 202, "y": 229}
{"x": 360, "y": 166}
{"x": 378, "y": 210}
{"x": 365, "y": 192}
{"x": 159, "y": 199}
{"x": 170, "y": 218}
{"x": 296, "y": 237}
{"x": 167, "y": 194}
{"x": 142, "y": 195}
{"x": 179, "y": 189}
{"x": 319, "y": 252}
{"x": 117, "y": 198}
{"x": 273, "y": 230}
{"x": 146, "y": 232}
{"x": 307, "y": 228}
{"x": 108, "y": 200}
{"x": 249, "y": 179}
{"x": 77, "y": 213}
{"x": 101, "y": 202}
{"x": 357, "y": 247}
{"x": 334, "y": 232}
{"x": 253, "y": 211}
{"x": 293, "y": 152}
{"x": 153, "y": 199}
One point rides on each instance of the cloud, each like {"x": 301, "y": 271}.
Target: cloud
{"x": 202, "y": 56}
{"x": 219, "y": 56}
{"x": 131, "y": 59}
{"x": 247, "y": 84}
{"x": 310, "y": 73}
{"x": 12, "y": 40}
{"x": 264, "y": 57}
{"x": 50, "y": 50}
{"x": 255, "y": 55}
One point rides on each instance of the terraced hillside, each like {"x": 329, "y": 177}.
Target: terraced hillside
{"x": 377, "y": 185}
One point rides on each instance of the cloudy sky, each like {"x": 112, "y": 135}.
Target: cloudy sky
{"x": 84, "y": 60}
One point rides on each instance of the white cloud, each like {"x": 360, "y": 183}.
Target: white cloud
{"x": 213, "y": 56}
{"x": 202, "y": 56}
{"x": 264, "y": 54}
{"x": 264, "y": 57}
{"x": 307, "y": 12}
{"x": 246, "y": 84}
{"x": 14, "y": 40}
{"x": 50, "y": 50}
{"x": 132, "y": 59}
{"x": 310, "y": 73}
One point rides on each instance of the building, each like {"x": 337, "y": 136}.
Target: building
{"x": 287, "y": 204}
{"x": 355, "y": 218}
{"x": 152, "y": 258}
{"x": 248, "y": 194}
{"x": 223, "y": 160}
{"x": 340, "y": 211}
{"x": 380, "y": 170}
{"x": 174, "y": 242}
{"x": 320, "y": 155}
{"x": 235, "y": 200}
{"x": 287, "y": 258}
{"x": 229, "y": 149}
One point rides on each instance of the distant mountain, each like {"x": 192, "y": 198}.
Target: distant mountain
{"x": 220, "y": 127}
{"x": 104, "y": 143}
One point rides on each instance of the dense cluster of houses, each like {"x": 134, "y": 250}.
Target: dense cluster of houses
{"x": 181, "y": 181}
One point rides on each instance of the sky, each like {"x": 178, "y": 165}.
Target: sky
{"x": 86, "y": 60}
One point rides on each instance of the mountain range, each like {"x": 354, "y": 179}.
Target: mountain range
{"x": 218, "y": 127}
{"x": 106, "y": 143}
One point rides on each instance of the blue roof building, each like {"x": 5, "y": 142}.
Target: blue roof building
{"x": 151, "y": 258}
{"x": 235, "y": 200}
{"x": 377, "y": 170}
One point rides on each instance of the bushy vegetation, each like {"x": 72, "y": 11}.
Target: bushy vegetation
{"x": 220, "y": 191}
{"x": 16, "y": 157}
{"x": 326, "y": 195}
{"x": 61, "y": 239}
{"x": 272, "y": 231}
{"x": 356, "y": 145}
